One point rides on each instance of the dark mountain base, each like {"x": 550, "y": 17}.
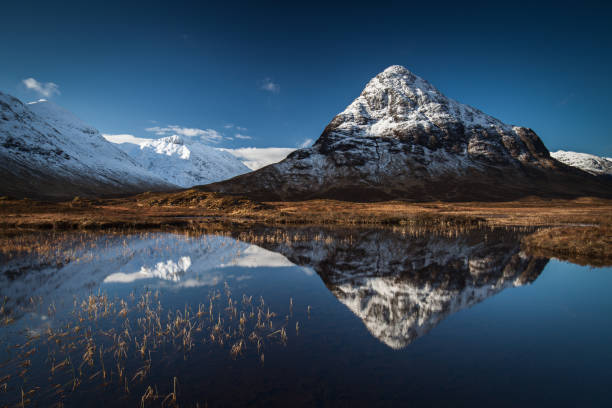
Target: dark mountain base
{"x": 494, "y": 184}
{"x": 19, "y": 182}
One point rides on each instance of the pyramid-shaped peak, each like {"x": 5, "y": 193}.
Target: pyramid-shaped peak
{"x": 397, "y": 70}
{"x": 398, "y": 73}
{"x": 398, "y": 78}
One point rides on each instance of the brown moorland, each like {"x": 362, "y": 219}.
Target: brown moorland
{"x": 578, "y": 229}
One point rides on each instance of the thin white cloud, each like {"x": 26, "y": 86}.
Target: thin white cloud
{"x": 255, "y": 158}
{"x": 204, "y": 134}
{"x": 267, "y": 84}
{"x": 238, "y": 128}
{"x": 306, "y": 143}
{"x": 241, "y": 136}
{"x": 46, "y": 89}
{"x": 125, "y": 138}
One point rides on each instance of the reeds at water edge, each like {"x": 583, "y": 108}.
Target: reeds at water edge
{"x": 116, "y": 344}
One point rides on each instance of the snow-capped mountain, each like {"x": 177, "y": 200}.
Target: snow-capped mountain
{"x": 46, "y": 152}
{"x": 599, "y": 166}
{"x": 182, "y": 161}
{"x": 401, "y": 288}
{"x": 403, "y": 138}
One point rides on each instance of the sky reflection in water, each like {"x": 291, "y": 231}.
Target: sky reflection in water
{"x": 368, "y": 317}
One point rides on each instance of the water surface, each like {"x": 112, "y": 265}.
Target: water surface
{"x": 300, "y": 317}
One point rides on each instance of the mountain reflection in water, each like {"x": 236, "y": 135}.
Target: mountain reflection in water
{"x": 400, "y": 285}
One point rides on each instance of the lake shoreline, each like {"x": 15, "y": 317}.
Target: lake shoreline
{"x": 578, "y": 230}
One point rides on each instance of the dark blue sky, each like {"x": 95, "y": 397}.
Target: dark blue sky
{"x": 124, "y": 68}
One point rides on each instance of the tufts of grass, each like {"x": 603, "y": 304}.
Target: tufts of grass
{"x": 581, "y": 245}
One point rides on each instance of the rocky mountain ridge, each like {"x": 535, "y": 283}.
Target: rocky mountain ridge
{"x": 402, "y": 138}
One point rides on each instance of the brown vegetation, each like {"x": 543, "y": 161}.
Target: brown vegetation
{"x": 115, "y": 343}
{"x": 581, "y": 245}
{"x": 192, "y": 206}
{"x": 195, "y": 199}
{"x": 196, "y": 209}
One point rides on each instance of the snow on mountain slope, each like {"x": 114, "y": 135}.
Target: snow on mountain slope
{"x": 46, "y": 152}
{"x": 402, "y": 138}
{"x": 396, "y": 100}
{"x": 181, "y": 161}
{"x": 599, "y": 166}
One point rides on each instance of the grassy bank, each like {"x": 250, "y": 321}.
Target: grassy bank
{"x": 581, "y": 245}
{"x": 192, "y": 206}
{"x": 579, "y": 228}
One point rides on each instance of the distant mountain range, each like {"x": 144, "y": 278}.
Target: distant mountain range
{"x": 598, "y": 166}
{"x": 182, "y": 161}
{"x": 48, "y": 153}
{"x": 402, "y": 138}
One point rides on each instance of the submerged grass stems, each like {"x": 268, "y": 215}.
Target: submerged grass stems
{"x": 117, "y": 343}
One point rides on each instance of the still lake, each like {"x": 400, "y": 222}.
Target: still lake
{"x": 300, "y": 317}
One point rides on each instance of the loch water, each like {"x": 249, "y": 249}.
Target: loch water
{"x": 300, "y": 317}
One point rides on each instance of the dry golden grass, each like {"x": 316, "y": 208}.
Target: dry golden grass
{"x": 189, "y": 207}
{"x": 581, "y": 245}
{"x": 96, "y": 345}
{"x": 196, "y": 210}
{"x": 196, "y": 199}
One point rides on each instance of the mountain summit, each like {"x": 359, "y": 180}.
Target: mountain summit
{"x": 182, "y": 161}
{"x": 402, "y": 138}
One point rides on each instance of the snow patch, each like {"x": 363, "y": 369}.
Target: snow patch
{"x": 587, "y": 162}
{"x": 180, "y": 161}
